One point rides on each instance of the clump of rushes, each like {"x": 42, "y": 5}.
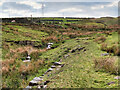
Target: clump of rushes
{"x": 108, "y": 64}
{"x": 115, "y": 49}
{"x": 104, "y": 46}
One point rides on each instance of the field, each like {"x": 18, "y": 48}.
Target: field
{"x": 88, "y": 50}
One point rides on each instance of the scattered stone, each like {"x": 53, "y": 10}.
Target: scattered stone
{"x": 66, "y": 56}
{"x": 73, "y": 51}
{"x": 44, "y": 86}
{"x": 28, "y": 57}
{"x": 49, "y": 45}
{"x": 33, "y": 83}
{"x": 60, "y": 60}
{"x": 59, "y": 66}
{"x": 50, "y": 69}
{"x": 104, "y": 54}
{"x": 110, "y": 83}
{"x": 80, "y": 48}
{"x": 39, "y": 86}
{"x": 57, "y": 63}
{"x": 42, "y": 75}
{"x": 46, "y": 82}
{"x": 62, "y": 65}
{"x": 58, "y": 69}
{"x": 26, "y": 61}
{"x": 28, "y": 87}
{"x": 117, "y": 77}
{"x": 38, "y": 79}
{"x": 84, "y": 50}
{"x": 53, "y": 66}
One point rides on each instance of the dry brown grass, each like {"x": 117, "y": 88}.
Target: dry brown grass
{"x": 104, "y": 46}
{"x": 108, "y": 64}
{"x": 115, "y": 48}
{"x": 30, "y": 67}
{"x": 100, "y": 39}
{"x": 28, "y": 49}
{"x": 6, "y": 65}
{"x": 52, "y": 37}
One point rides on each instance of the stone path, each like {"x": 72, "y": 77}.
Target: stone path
{"x": 42, "y": 81}
{"x": 39, "y": 81}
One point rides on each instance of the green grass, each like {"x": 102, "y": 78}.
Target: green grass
{"x": 79, "y": 71}
{"x": 112, "y": 39}
{"x": 23, "y": 34}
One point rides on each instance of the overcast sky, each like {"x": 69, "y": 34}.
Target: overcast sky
{"x": 52, "y": 8}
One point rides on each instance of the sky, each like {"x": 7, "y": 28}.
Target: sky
{"x": 53, "y": 8}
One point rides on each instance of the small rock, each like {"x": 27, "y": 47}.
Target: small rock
{"x": 73, "y": 51}
{"x": 62, "y": 65}
{"x": 44, "y": 86}
{"x": 42, "y": 74}
{"x": 104, "y": 54}
{"x": 46, "y": 82}
{"x": 110, "y": 83}
{"x": 81, "y": 48}
{"x": 57, "y": 63}
{"x": 117, "y": 77}
{"x": 58, "y": 69}
{"x": 84, "y": 50}
{"x": 50, "y": 43}
{"x": 39, "y": 86}
{"x": 38, "y": 79}
{"x": 53, "y": 66}
{"x": 59, "y": 66}
{"x": 28, "y": 57}
{"x": 41, "y": 77}
{"x": 66, "y": 56}
{"x": 33, "y": 83}
{"x": 50, "y": 69}
{"x": 26, "y": 61}
{"x": 28, "y": 87}
{"x": 60, "y": 60}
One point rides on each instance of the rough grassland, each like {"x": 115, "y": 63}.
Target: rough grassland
{"x": 79, "y": 71}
